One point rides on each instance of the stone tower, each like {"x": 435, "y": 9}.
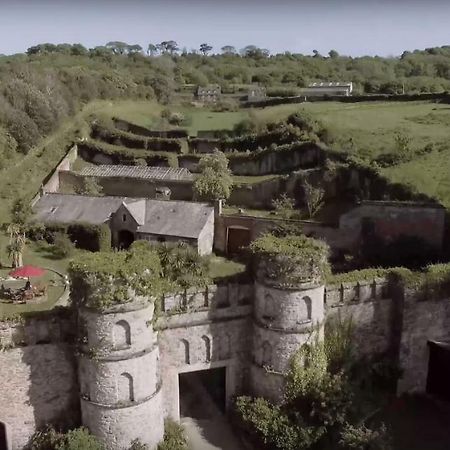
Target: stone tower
{"x": 288, "y": 308}
{"x": 119, "y": 376}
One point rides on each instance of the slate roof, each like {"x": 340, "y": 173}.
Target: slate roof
{"x": 162, "y": 217}
{"x": 142, "y": 172}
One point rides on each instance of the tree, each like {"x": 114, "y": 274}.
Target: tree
{"x": 313, "y": 198}
{"x": 205, "y": 48}
{"x": 333, "y": 54}
{"x": 215, "y": 180}
{"x": 169, "y": 47}
{"x": 316, "y": 54}
{"x": 118, "y": 47}
{"x": 228, "y": 50}
{"x": 135, "y": 48}
{"x": 17, "y": 241}
{"x": 90, "y": 187}
{"x": 152, "y": 50}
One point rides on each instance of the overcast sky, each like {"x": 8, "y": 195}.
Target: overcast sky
{"x": 352, "y": 27}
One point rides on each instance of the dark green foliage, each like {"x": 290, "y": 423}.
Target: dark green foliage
{"x": 62, "y": 245}
{"x": 90, "y": 186}
{"x": 363, "y": 438}
{"x": 77, "y": 439}
{"x": 181, "y": 264}
{"x": 174, "y": 437}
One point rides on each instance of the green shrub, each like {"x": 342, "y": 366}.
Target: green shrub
{"x": 174, "y": 437}
{"x": 290, "y": 259}
{"x": 363, "y": 438}
{"x": 62, "y": 245}
{"x": 77, "y": 439}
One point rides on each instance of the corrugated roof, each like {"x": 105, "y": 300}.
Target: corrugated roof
{"x": 143, "y": 172}
{"x": 162, "y": 217}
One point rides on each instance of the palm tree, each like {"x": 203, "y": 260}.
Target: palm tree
{"x": 16, "y": 245}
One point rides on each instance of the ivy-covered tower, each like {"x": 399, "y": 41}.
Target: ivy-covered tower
{"x": 120, "y": 384}
{"x": 289, "y": 306}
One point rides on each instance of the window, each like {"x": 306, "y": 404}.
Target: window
{"x": 126, "y": 388}
{"x": 124, "y": 217}
{"x": 207, "y": 343}
{"x": 121, "y": 335}
{"x": 185, "y": 351}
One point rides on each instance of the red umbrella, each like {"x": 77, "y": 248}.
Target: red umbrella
{"x": 27, "y": 272}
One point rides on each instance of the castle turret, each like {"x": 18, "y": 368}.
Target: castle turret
{"x": 289, "y": 306}
{"x": 119, "y": 374}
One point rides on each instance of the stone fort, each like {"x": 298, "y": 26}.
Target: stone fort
{"x": 117, "y": 371}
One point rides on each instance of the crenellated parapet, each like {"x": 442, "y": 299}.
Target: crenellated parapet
{"x": 356, "y": 292}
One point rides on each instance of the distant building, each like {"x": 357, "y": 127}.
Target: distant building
{"x": 209, "y": 94}
{"x": 131, "y": 219}
{"x": 256, "y": 94}
{"x": 331, "y": 89}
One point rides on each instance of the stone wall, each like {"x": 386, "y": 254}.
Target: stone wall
{"x": 38, "y": 376}
{"x": 336, "y": 238}
{"x": 391, "y": 220}
{"x": 205, "y": 329}
{"x": 424, "y": 320}
{"x": 128, "y": 187}
{"x": 373, "y": 313}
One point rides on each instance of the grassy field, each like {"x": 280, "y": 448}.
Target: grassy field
{"x": 372, "y": 126}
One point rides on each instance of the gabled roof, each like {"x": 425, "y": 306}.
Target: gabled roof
{"x": 162, "y": 217}
{"x": 136, "y": 210}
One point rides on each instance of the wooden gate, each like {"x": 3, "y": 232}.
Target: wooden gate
{"x": 236, "y": 239}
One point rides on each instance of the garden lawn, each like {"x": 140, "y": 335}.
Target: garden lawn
{"x": 222, "y": 268}
{"x": 203, "y": 119}
{"x": 38, "y": 254}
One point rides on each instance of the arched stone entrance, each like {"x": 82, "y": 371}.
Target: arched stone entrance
{"x": 125, "y": 239}
{"x": 237, "y": 237}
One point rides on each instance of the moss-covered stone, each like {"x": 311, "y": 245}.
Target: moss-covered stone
{"x": 290, "y": 260}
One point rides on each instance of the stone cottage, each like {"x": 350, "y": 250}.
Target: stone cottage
{"x": 134, "y": 218}
{"x": 209, "y": 94}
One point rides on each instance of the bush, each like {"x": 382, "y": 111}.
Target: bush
{"x": 77, "y": 439}
{"x": 62, "y": 245}
{"x": 363, "y": 438}
{"x": 174, "y": 437}
{"x": 176, "y": 118}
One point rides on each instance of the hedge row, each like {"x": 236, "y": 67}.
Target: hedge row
{"x": 84, "y": 235}
{"x": 142, "y": 131}
{"x": 443, "y": 96}
{"x": 88, "y": 150}
{"x": 133, "y": 141}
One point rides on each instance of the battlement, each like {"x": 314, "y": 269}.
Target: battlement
{"x": 356, "y": 292}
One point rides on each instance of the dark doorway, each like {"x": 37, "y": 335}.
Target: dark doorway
{"x": 237, "y": 238}
{"x": 3, "y": 440}
{"x": 126, "y": 238}
{"x": 439, "y": 370}
{"x": 202, "y": 393}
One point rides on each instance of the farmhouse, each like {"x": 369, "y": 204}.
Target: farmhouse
{"x": 209, "y": 94}
{"x": 331, "y": 89}
{"x": 134, "y": 218}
